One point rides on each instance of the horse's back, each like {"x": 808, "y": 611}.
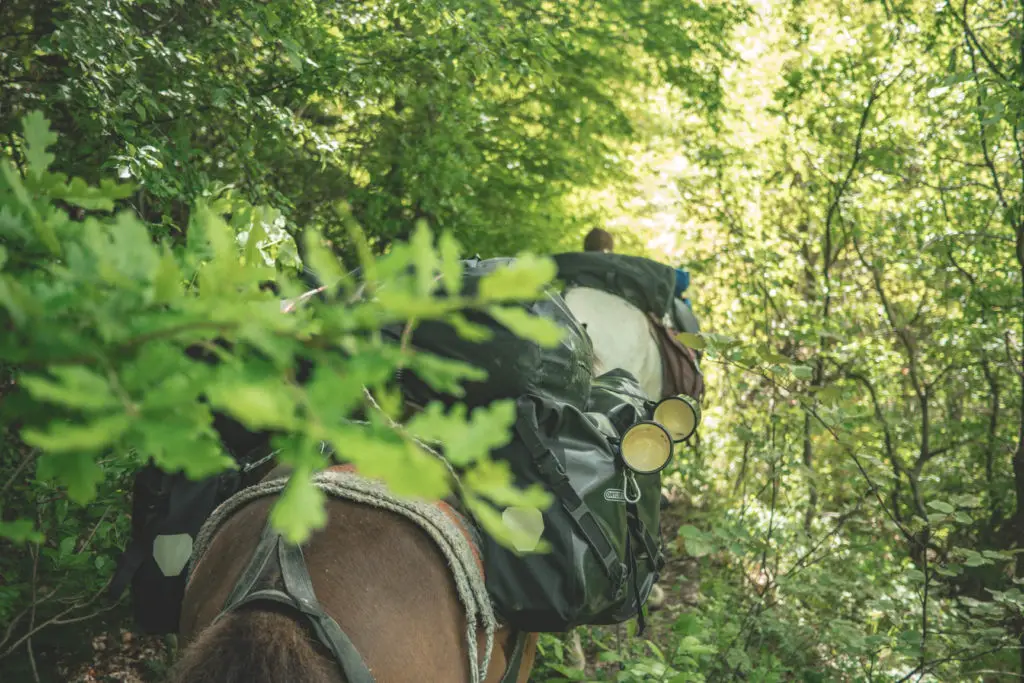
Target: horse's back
{"x": 621, "y": 335}
{"x": 376, "y": 573}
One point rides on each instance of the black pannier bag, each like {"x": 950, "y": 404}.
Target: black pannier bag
{"x": 515, "y": 366}
{"x": 168, "y": 509}
{"x": 605, "y": 551}
{"x": 167, "y": 513}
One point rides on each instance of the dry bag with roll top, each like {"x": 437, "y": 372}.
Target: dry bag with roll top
{"x": 603, "y": 527}
{"x": 514, "y": 366}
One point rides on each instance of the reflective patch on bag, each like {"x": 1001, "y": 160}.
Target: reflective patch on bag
{"x": 172, "y": 553}
{"x": 528, "y": 523}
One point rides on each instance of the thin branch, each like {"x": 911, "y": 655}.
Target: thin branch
{"x": 890, "y": 449}
{"x": 955, "y": 657}
{"x": 874, "y": 488}
{"x": 26, "y": 461}
{"x": 804, "y": 560}
{"x": 989, "y": 163}
{"x": 972, "y": 38}
{"x": 62, "y": 618}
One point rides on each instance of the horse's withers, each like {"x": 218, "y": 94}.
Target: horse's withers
{"x": 621, "y": 335}
{"x": 379, "y": 575}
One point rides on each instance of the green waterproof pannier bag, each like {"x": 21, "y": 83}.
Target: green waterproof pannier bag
{"x": 603, "y": 527}
{"x": 646, "y": 284}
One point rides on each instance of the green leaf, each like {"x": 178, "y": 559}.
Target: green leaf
{"x": 38, "y": 137}
{"x": 167, "y": 280}
{"x": 78, "y": 471}
{"x": 80, "y": 193}
{"x": 444, "y": 374}
{"x": 997, "y": 555}
{"x": 723, "y": 341}
{"x": 381, "y": 454}
{"x": 973, "y": 558}
{"x": 691, "y": 645}
{"x": 465, "y": 440}
{"x": 76, "y": 386}
{"x": 11, "y": 299}
{"x": 941, "y": 506}
{"x": 183, "y": 441}
{"x": 254, "y": 233}
{"x": 802, "y": 372}
{"x": 258, "y": 405}
{"x": 543, "y": 331}
{"x": 423, "y": 258}
{"x": 693, "y": 341}
{"x": 43, "y": 229}
{"x": 493, "y": 480}
{"x": 949, "y": 570}
{"x": 830, "y": 395}
{"x": 914, "y": 574}
{"x": 507, "y": 532}
{"x": 62, "y": 437}
{"x": 772, "y": 357}
{"x": 469, "y": 331}
{"x": 300, "y": 509}
{"x": 687, "y": 624}
{"x": 321, "y": 261}
{"x": 689, "y": 531}
{"x": 20, "y": 531}
{"x": 698, "y": 543}
{"x": 451, "y": 267}
{"x": 523, "y": 279}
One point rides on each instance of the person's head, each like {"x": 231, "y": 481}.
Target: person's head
{"x": 598, "y": 240}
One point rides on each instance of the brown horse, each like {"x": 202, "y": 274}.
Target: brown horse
{"x": 376, "y": 573}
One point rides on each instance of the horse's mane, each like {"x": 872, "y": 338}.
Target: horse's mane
{"x": 262, "y": 644}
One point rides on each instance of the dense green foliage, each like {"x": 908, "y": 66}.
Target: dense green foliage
{"x": 843, "y": 180}
{"x": 402, "y": 110}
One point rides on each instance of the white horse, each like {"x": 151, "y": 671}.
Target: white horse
{"x": 622, "y": 336}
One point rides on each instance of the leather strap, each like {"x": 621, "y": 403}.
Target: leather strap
{"x": 298, "y": 594}
{"x": 680, "y": 373}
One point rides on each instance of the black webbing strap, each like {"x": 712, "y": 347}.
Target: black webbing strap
{"x": 527, "y": 427}
{"x": 299, "y": 595}
{"x": 515, "y": 661}
{"x": 641, "y": 622}
{"x": 651, "y": 547}
{"x": 128, "y": 564}
{"x": 638, "y": 530}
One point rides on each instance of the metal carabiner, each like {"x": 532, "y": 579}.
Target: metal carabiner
{"x": 628, "y": 479}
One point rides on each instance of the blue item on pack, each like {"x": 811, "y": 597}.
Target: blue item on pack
{"x": 682, "y": 281}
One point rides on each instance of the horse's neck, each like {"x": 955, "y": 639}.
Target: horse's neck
{"x": 621, "y": 335}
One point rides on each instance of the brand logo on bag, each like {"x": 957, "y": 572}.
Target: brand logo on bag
{"x": 614, "y": 495}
